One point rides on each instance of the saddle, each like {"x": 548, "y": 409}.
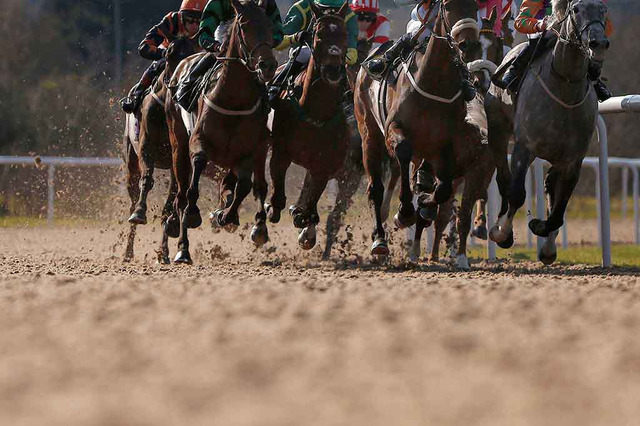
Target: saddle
{"x": 392, "y": 69}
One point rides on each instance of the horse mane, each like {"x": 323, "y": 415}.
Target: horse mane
{"x": 560, "y": 8}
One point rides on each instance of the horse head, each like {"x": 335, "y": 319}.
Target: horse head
{"x": 252, "y": 39}
{"x": 507, "y": 33}
{"x": 330, "y": 42}
{"x": 584, "y": 25}
{"x": 491, "y": 53}
{"x": 460, "y": 21}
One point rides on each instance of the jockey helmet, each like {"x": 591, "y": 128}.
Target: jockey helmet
{"x": 365, "y": 6}
{"x": 192, "y": 6}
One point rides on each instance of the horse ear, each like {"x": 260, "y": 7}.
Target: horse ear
{"x": 262, "y": 4}
{"x": 314, "y": 9}
{"x": 344, "y": 10}
{"x": 237, "y": 5}
{"x": 506, "y": 16}
{"x": 493, "y": 16}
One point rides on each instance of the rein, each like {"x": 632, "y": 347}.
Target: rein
{"x": 248, "y": 60}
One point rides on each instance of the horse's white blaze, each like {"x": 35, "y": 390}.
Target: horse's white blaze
{"x": 486, "y": 44}
{"x": 333, "y": 27}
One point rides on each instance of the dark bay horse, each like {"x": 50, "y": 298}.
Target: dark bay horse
{"x": 147, "y": 146}
{"x": 553, "y": 118}
{"x": 478, "y": 174}
{"x": 425, "y": 120}
{"x": 313, "y": 131}
{"x": 230, "y": 130}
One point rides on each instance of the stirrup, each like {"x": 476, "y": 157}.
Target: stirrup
{"x": 129, "y": 104}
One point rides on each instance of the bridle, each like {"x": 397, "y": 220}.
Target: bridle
{"x": 247, "y": 56}
{"x": 316, "y": 25}
{"x": 575, "y": 37}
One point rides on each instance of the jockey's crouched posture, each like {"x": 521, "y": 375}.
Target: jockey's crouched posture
{"x": 374, "y": 28}
{"x": 297, "y": 35}
{"x": 215, "y": 18}
{"x": 426, "y": 11}
{"x": 533, "y": 21}
{"x": 182, "y": 23}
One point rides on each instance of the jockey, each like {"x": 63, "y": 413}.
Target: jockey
{"x": 296, "y": 32}
{"x": 533, "y": 21}
{"x": 373, "y": 27}
{"x": 216, "y": 17}
{"x": 424, "y": 13}
{"x": 184, "y": 22}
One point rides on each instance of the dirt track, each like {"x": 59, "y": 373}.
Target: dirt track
{"x": 273, "y": 338}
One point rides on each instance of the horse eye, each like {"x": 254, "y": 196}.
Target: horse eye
{"x": 575, "y": 9}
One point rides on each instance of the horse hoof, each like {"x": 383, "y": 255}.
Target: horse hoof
{"x": 138, "y": 218}
{"x": 215, "y": 218}
{"x": 307, "y": 239}
{"x": 480, "y": 232}
{"x": 414, "y": 253}
{"x": 163, "y": 259}
{"x": 462, "y": 263}
{"x": 507, "y": 243}
{"x": 172, "y": 227}
{"x": 403, "y": 222}
{"x": 183, "y": 258}
{"x": 380, "y": 248}
{"x": 429, "y": 213}
{"x": 539, "y": 228}
{"x": 547, "y": 258}
{"x": 294, "y": 210}
{"x": 231, "y": 228}
{"x": 193, "y": 218}
{"x": 272, "y": 214}
{"x": 260, "y": 234}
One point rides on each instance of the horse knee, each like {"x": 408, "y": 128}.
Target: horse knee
{"x": 376, "y": 191}
{"x": 199, "y": 161}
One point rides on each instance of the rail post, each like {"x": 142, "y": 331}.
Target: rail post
{"x": 636, "y": 214}
{"x": 492, "y": 215}
{"x": 625, "y": 191}
{"x": 603, "y": 172}
{"x": 51, "y": 193}
{"x": 528, "y": 187}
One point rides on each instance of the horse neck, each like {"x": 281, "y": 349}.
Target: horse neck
{"x": 569, "y": 60}
{"x": 318, "y": 95}
{"x": 236, "y": 85}
{"x": 436, "y": 68}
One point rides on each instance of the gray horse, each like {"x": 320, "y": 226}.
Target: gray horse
{"x": 553, "y": 117}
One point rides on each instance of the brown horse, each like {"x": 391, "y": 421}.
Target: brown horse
{"x": 147, "y": 146}
{"x": 480, "y": 165}
{"x": 231, "y": 129}
{"x": 313, "y": 131}
{"x": 425, "y": 118}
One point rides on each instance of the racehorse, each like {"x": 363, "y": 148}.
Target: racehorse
{"x": 313, "y": 131}
{"x": 152, "y": 148}
{"x": 553, "y": 118}
{"x": 425, "y": 118}
{"x": 231, "y": 129}
{"x": 349, "y": 177}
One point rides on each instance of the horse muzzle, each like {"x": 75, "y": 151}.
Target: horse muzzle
{"x": 332, "y": 73}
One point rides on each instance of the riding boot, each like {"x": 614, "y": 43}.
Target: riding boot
{"x": 132, "y": 102}
{"x": 466, "y": 84}
{"x": 513, "y": 76}
{"x": 601, "y": 89}
{"x": 291, "y": 69}
{"x": 184, "y": 92}
{"x": 425, "y": 180}
{"x": 379, "y": 65}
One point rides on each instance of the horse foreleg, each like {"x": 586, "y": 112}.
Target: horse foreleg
{"x": 313, "y": 189}
{"x": 406, "y": 215}
{"x": 146, "y": 164}
{"x": 260, "y": 233}
{"x": 391, "y": 187}
{"x": 133, "y": 181}
{"x": 278, "y": 166}
{"x": 502, "y": 232}
{"x": 163, "y": 252}
{"x": 480, "y": 222}
{"x": 348, "y": 184}
{"x": 442, "y": 219}
{"x": 559, "y": 186}
{"x": 229, "y": 218}
{"x": 499, "y": 135}
{"x": 190, "y": 218}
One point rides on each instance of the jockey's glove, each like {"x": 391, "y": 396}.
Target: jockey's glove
{"x": 302, "y": 37}
{"x": 209, "y": 43}
{"x": 352, "y": 56}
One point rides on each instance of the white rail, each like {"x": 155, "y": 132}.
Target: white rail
{"x": 51, "y": 163}
{"x": 616, "y": 105}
